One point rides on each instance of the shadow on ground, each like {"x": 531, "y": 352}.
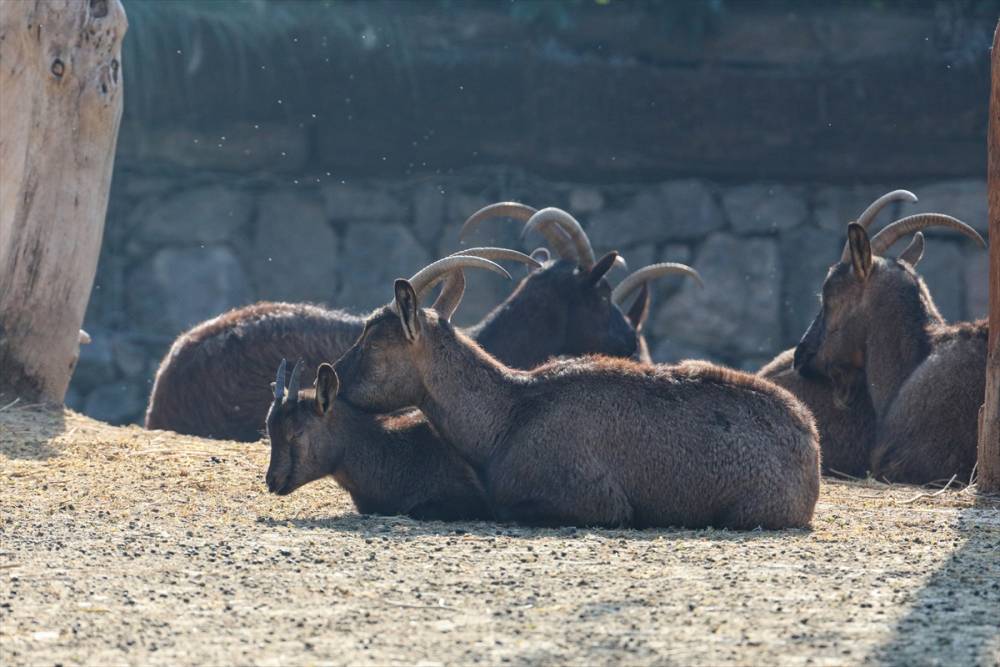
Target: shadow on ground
{"x": 955, "y": 617}
{"x": 27, "y": 431}
{"x": 400, "y": 527}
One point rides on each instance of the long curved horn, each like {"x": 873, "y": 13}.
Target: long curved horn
{"x": 914, "y": 223}
{"x": 454, "y": 281}
{"x": 433, "y": 272}
{"x": 868, "y": 216}
{"x": 498, "y": 254}
{"x": 293, "y": 383}
{"x": 279, "y": 381}
{"x": 635, "y": 280}
{"x": 568, "y": 224}
{"x": 503, "y": 209}
{"x": 559, "y": 240}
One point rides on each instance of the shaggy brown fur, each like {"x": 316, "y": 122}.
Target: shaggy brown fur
{"x": 389, "y": 465}
{"x": 846, "y": 423}
{"x": 595, "y": 441}
{"x": 213, "y": 381}
{"x": 925, "y": 378}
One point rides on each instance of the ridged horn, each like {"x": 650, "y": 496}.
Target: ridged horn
{"x": 293, "y": 383}
{"x": 432, "y": 273}
{"x": 498, "y": 254}
{"x": 868, "y": 216}
{"x": 635, "y": 280}
{"x": 453, "y": 276}
{"x": 568, "y": 224}
{"x": 279, "y": 381}
{"x": 503, "y": 209}
{"x": 451, "y": 294}
{"x": 915, "y": 223}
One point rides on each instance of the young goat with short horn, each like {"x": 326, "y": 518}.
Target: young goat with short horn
{"x": 388, "y": 464}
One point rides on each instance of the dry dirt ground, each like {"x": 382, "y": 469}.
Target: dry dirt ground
{"x": 126, "y": 546}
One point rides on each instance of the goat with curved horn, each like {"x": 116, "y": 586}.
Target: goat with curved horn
{"x": 568, "y": 224}
{"x": 912, "y": 223}
{"x": 634, "y": 281}
{"x": 868, "y": 216}
{"x": 878, "y": 329}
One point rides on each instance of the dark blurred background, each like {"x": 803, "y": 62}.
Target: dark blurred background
{"x": 315, "y": 150}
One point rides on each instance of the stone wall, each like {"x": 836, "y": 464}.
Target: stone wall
{"x": 183, "y": 245}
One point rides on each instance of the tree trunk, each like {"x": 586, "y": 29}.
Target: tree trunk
{"x": 989, "y": 416}
{"x": 61, "y": 103}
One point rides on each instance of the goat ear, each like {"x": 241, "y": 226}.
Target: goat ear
{"x": 861, "y": 250}
{"x": 913, "y": 252}
{"x": 327, "y": 385}
{"x": 408, "y": 309}
{"x": 639, "y": 311}
{"x": 601, "y": 268}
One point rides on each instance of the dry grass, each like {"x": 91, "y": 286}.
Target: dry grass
{"x": 126, "y": 546}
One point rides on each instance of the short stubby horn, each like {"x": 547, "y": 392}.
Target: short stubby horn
{"x": 293, "y": 383}
{"x": 504, "y": 209}
{"x": 634, "y": 281}
{"x": 279, "y": 381}
{"x": 559, "y": 219}
{"x": 868, "y": 216}
{"x": 914, "y": 223}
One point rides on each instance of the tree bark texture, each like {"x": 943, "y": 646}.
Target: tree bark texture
{"x": 989, "y": 421}
{"x": 60, "y": 108}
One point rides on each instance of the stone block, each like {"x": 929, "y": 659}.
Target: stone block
{"x": 943, "y": 269}
{"x": 806, "y": 255}
{"x": 764, "y": 208}
{"x": 373, "y": 256}
{"x": 209, "y": 214}
{"x": 180, "y": 287}
{"x": 295, "y": 251}
{"x": 352, "y": 202}
{"x": 428, "y": 211}
{"x": 738, "y": 313}
{"x": 676, "y": 210}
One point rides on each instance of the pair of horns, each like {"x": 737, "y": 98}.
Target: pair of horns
{"x": 868, "y": 216}
{"x": 908, "y": 225}
{"x": 636, "y": 279}
{"x": 293, "y": 383}
{"x": 562, "y": 231}
{"x": 449, "y": 269}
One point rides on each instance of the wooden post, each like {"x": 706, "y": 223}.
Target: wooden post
{"x": 60, "y": 107}
{"x": 989, "y": 417}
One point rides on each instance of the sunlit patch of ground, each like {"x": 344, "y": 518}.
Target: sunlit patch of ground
{"x": 122, "y": 545}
